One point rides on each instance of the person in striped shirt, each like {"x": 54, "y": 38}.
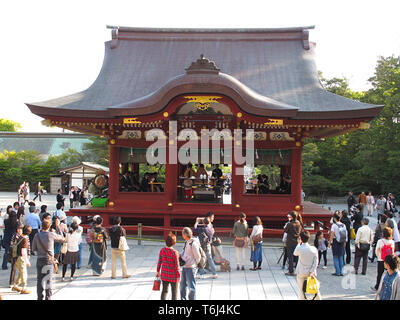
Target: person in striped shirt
{"x": 168, "y": 263}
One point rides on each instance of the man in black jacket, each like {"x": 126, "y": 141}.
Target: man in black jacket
{"x": 292, "y": 229}
{"x": 60, "y": 197}
{"x": 356, "y": 218}
{"x": 346, "y": 221}
{"x": 351, "y": 201}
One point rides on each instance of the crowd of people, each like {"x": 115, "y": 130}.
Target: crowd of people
{"x": 58, "y": 243}
{"x": 347, "y": 226}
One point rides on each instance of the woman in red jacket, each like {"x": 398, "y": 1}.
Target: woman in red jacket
{"x": 168, "y": 262}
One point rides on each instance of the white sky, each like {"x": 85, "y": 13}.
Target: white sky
{"x": 54, "y": 48}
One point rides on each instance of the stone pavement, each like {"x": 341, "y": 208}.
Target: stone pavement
{"x": 270, "y": 283}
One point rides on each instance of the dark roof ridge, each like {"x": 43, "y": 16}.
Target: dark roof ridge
{"x": 210, "y": 30}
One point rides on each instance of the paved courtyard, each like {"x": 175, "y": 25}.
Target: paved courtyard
{"x": 270, "y": 283}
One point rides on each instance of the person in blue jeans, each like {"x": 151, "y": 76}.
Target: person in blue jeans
{"x": 338, "y": 242}
{"x": 191, "y": 257}
{"x": 204, "y": 228}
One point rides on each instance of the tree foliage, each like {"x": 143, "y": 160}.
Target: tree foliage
{"x": 8, "y": 125}
{"x": 364, "y": 160}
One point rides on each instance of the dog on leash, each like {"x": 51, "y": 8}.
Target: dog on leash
{"x": 225, "y": 266}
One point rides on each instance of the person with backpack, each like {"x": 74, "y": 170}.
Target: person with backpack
{"x": 385, "y": 246}
{"x": 205, "y": 233}
{"x": 20, "y": 254}
{"x": 337, "y": 241}
{"x": 364, "y": 239}
{"x": 190, "y": 258}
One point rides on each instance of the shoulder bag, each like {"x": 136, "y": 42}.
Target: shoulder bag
{"x": 123, "y": 244}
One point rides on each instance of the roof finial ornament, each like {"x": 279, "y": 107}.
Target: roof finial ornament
{"x": 202, "y": 65}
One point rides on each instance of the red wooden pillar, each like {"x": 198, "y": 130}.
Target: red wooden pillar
{"x": 113, "y": 179}
{"x": 296, "y": 175}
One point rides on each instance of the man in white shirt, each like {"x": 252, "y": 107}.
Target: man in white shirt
{"x": 364, "y": 239}
{"x": 307, "y": 263}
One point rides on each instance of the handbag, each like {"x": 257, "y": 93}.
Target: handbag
{"x": 352, "y": 234}
{"x": 157, "y": 284}
{"x": 257, "y": 238}
{"x": 123, "y": 244}
{"x": 364, "y": 247}
{"x": 312, "y": 286}
{"x": 64, "y": 248}
{"x": 241, "y": 242}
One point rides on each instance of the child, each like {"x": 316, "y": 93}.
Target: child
{"x": 322, "y": 245}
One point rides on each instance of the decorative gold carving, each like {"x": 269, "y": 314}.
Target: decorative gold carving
{"x": 274, "y": 122}
{"x": 131, "y": 120}
{"x": 202, "y": 102}
{"x": 364, "y": 125}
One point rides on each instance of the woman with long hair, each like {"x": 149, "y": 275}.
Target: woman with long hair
{"x": 240, "y": 232}
{"x": 256, "y": 243}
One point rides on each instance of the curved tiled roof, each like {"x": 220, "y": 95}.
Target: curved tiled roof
{"x": 269, "y": 72}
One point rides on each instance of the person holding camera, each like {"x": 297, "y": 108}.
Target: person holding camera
{"x": 168, "y": 263}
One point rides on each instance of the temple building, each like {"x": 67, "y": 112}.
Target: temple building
{"x": 256, "y": 90}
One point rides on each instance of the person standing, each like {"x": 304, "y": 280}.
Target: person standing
{"x": 34, "y": 221}
{"x": 337, "y": 241}
{"x": 60, "y": 198}
{"x": 115, "y": 232}
{"x": 240, "y": 232}
{"x": 10, "y": 231}
{"x": 206, "y": 234}
{"x": 76, "y": 195}
{"x": 378, "y": 234}
{"x": 391, "y": 223}
{"x": 78, "y": 221}
{"x": 99, "y": 247}
{"x": 364, "y": 239}
{"x": 256, "y": 238}
{"x": 43, "y": 244}
{"x": 73, "y": 239}
{"x": 389, "y": 288}
{"x": 71, "y": 197}
{"x": 344, "y": 218}
{"x": 370, "y": 204}
{"x": 191, "y": 257}
{"x": 322, "y": 245}
{"x": 308, "y": 262}
{"x": 292, "y": 230}
{"x": 351, "y": 201}
{"x": 384, "y": 247}
{"x": 380, "y": 206}
{"x": 357, "y": 217}
{"x": 38, "y": 192}
{"x": 362, "y": 201}
{"x": 27, "y": 192}
{"x": 168, "y": 263}
{"x": 61, "y": 230}
{"x": 22, "y": 260}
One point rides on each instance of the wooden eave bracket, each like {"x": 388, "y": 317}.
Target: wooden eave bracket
{"x": 306, "y": 42}
{"x": 114, "y": 38}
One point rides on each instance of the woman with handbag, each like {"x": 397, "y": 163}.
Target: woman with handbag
{"x": 73, "y": 239}
{"x": 240, "y": 233}
{"x": 168, "y": 263}
{"x": 60, "y": 229}
{"x": 118, "y": 248}
{"x": 256, "y": 238}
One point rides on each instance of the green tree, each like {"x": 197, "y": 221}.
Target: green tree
{"x": 8, "y": 125}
